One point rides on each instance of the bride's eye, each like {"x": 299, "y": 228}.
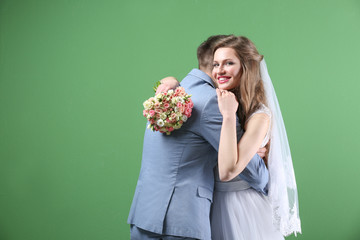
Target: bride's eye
{"x": 229, "y": 63}
{"x": 215, "y": 64}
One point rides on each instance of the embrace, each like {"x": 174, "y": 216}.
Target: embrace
{"x": 227, "y": 173}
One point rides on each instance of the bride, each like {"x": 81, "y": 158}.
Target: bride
{"x": 245, "y": 89}
{"x": 239, "y": 212}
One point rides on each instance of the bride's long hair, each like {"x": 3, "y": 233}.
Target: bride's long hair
{"x": 250, "y": 91}
{"x": 251, "y": 94}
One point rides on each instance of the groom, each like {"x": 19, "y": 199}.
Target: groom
{"x": 175, "y": 188}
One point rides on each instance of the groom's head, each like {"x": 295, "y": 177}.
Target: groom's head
{"x": 205, "y": 53}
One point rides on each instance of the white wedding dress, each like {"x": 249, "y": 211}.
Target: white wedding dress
{"x": 239, "y": 212}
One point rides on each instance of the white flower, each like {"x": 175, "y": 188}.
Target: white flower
{"x": 184, "y": 118}
{"x": 176, "y": 109}
{"x": 148, "y": 104}
{"x": 160, "y": 123}
{"x": 174, "y": 100}
{"x": 163, "y": 116}
{"x": 170, "y": 91}
{"x": 159, "y": 96}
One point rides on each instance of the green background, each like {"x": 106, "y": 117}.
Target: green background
{"x": 74, "y": 74}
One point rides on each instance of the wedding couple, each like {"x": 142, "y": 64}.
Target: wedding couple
{"x": 206, "y": 180}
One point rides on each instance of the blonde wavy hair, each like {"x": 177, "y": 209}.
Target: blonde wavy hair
{"x": 250, "y": 91}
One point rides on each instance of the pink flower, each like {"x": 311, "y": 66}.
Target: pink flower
{"x": 170, "y": 129}
{"x": 182, "y": 109}
{"x": 188, "y": 112}
{"x": 166, "y": 105}
{"x": 158, "y": 110}
{"x": 180, "y": 91}
{"x": 173, "y": 116}
{"x": 191, "y": 104}
{"x": 179, "y": 105}
{"x": 152, "y": 113}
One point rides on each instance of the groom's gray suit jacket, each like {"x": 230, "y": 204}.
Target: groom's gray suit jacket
{"x": 175, "y": 187}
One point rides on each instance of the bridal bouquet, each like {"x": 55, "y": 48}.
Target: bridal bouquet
{"x": 168, "y": 111}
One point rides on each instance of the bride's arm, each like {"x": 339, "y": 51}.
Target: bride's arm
{"x": 234, "y": 157}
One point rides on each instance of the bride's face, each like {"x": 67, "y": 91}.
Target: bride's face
{"x": 226, "y": 71}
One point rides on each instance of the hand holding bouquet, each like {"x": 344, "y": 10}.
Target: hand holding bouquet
{"x": 168, "y": 111}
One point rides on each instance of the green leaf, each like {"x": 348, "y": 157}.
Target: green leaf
{"x": 157, "y": 84}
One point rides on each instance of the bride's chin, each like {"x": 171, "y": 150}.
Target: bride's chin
{"x": 223, "y": 88}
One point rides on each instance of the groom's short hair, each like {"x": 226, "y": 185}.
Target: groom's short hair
{"x": 205, "y": 51}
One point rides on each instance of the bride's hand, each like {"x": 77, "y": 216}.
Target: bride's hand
{"x": 167, "y": 84}
{"x": 227, "y": 102}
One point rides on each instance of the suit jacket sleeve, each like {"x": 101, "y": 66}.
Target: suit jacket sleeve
{"x": 255, "y": 173}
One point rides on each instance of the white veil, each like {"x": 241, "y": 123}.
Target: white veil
{"x": 282, "y": 184}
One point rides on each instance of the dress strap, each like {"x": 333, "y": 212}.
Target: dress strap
{"x": 262, "y": 109}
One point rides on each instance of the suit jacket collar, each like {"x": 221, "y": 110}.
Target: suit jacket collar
{"x": 202, "y": 75}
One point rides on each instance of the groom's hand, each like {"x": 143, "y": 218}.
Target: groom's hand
{"x": 167, "y": 84}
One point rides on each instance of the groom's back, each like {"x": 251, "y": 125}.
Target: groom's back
{"x": 174, "y": 190}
